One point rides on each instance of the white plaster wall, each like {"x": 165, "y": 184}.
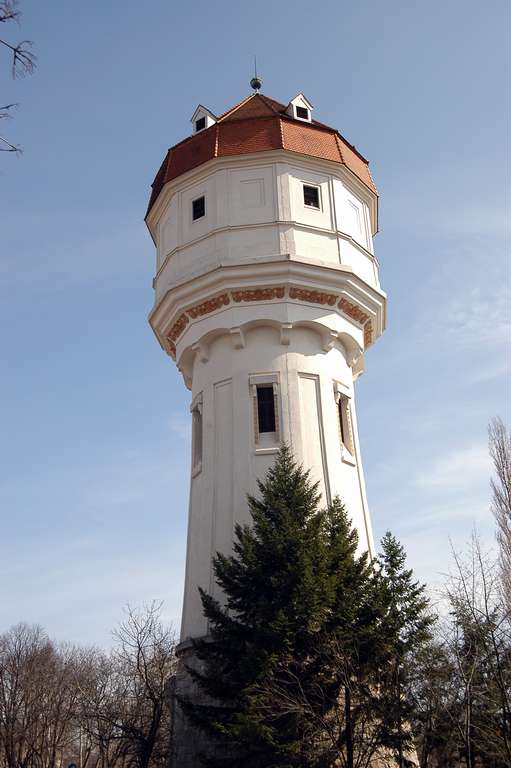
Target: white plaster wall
{"x": 232, "y": 460}
{"x": 302, "y": 213}
{"x": 359, "y": 260}
{"x": 255, "y": 211}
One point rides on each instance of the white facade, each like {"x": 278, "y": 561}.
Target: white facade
{"x": 274, "y": 285}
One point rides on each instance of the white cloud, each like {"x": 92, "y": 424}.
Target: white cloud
{"x": 480, "y": 316}
{"x": 459, "y": 469}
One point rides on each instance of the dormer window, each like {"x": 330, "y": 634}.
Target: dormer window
{"x": 300, "y": 108}
{"x": 202, "y": 118}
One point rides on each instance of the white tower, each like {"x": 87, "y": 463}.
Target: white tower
{"x": 267, "y": 296}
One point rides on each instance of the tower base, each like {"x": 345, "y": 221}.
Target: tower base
{"x": 189, "y": 742}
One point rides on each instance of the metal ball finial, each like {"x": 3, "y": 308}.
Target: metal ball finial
{"x": 256, "y": 82}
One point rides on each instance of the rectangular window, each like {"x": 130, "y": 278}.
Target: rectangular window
{"x": 264, "y": 392}
{"x": 344, "y": 421}
{"x": 199, "y": 208}
{"x": 266, "y": 409}
{"x": 311, "y": 196}
{"x": 196, "y": 410}
{"x": 342, "y": 426}
{"x": 200, "y": 124}
{"x": 302, "y": 113}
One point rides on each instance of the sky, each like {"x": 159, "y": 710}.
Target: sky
{"x": 94, "y": 420}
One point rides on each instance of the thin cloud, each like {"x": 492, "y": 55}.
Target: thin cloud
{"x": 456, "y": 470}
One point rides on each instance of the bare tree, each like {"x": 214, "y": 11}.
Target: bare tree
{"x": 480, "y": 646}
{"x": 61, "y": 703}
{"x": 500, "y": 452}
{"x": 37, "y": 698}
{"x": 126, "y": 705}
{"x": 342, "y": 731}
{"x": 22, "y": 61}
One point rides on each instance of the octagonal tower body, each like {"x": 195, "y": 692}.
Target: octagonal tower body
{"x": 267, "y": 296}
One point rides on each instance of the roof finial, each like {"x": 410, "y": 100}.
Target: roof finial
{"x": 256, "y": 82}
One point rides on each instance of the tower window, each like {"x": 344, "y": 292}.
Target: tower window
{"x": 197, "y": 435}
{"x": 344, "y": 422}
{"x": 200, "y": 124}
{"x": 264, "y": 390}
{"x": 266, "y": 409}
{"x": 311, "y": 196}
{"x": 199, "y": 208}
{"x": 302, "y": 113}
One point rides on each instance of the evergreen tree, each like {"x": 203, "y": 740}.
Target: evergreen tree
{"x": 298, "y": 599}
{"x": 406, "y": 628}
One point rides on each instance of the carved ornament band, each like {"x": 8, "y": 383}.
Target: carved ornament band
{"x": 267, "y": 294}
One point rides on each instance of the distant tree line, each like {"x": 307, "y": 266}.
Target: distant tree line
{"x": 62, "y": 704}
{"x": 318, "y": 657}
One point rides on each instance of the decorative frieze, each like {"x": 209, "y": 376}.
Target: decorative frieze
{"x": 315, "y": 297}
{"x": 368, "y": 333}
{"x": 268, "y": 294}
{"x": 352, "y": 311}
{"x": 178, "y": 327}
{"x": 259, "y": 294}
{"x": 205, "y": 307}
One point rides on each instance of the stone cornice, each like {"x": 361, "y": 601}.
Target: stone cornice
{"x": 288, "y": 281}
{"x": 332, "y": 278}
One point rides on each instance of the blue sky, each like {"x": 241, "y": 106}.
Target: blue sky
{"x": 94, "y": 439}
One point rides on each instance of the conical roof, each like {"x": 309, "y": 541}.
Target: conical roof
{"x": 259, "y": 124}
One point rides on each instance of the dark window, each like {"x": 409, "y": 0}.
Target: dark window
{"x": 196, "y": 438}
{"x": 311, "y": 196}
{"x": 265, "y": 409}
{"x": 200, "y": 123}
{"x": 340, "y": 406}
{"x": 302, "y": 113}
{"x": 199, "y": 208}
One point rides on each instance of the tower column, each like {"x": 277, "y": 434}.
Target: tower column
{"x": 260, "y": 387}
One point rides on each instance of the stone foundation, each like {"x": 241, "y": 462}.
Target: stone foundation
{"x": 188, "y": 741}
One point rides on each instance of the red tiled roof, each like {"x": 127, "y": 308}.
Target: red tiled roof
{"x": 259, "y": 124}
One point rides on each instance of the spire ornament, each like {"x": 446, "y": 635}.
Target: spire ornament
{"x": 256, "y": 83}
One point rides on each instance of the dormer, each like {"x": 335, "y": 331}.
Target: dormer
{"x": 300, "y": 108}
{"x": 202, "y": 118}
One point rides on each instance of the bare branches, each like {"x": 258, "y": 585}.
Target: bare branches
{"x": 6, "y": 146}
{"x": 125, "y": 705}
{"x": 500, "y": 452}
{"x": 9, "y": 11}
{"x": 22, "y": 58}
{"x": 61, "y": 704}
{"x": 23, "y": 62}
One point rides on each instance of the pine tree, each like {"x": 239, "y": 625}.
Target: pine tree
{"x": 405, "y": 629}
{"x": 298, "y": 599}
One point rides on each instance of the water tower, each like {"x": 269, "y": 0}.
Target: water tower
{"x": 267, "y": 297}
